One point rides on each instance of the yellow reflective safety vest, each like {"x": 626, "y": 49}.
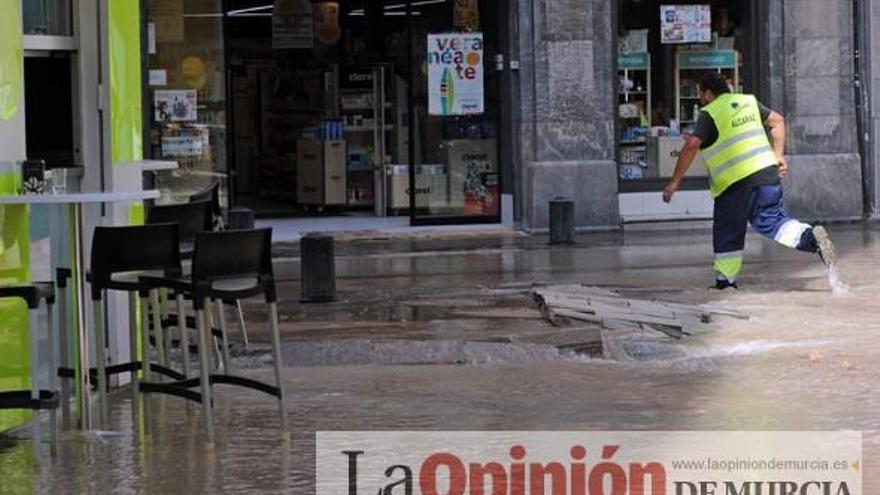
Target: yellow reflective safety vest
{"x": 742, "y": 147}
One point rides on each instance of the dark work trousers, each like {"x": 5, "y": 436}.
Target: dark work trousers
{"x": 764, "y": 209}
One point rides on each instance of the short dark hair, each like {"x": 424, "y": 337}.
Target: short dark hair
{"x": 714, "y": 82}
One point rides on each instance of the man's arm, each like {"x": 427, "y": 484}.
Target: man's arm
{"x": 776, "y": 123}
{"x": 685, "y": 159}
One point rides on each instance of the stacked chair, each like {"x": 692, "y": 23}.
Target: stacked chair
{"x": 192, "y": 218}
{"x": 226, "y": 265}
{"x": 120, "y": 256}
{"x": 153, "y": 259}
{"x": 178, "y": 253}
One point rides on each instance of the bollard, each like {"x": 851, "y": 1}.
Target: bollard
{"x": 240, "y": 218}
{"x": 561, "y": 221}
{"x": 318, "y": 267}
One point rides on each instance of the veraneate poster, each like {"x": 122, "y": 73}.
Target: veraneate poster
{"x": 455, "y": 74}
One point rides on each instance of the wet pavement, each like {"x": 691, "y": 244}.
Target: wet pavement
{"x": 441, "y": 334}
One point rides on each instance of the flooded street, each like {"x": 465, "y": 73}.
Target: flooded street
{"x": 383, "y": 358}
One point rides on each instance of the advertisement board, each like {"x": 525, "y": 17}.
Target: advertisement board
{"x": 455, "y": 74}
{"x": 685, "y": 24}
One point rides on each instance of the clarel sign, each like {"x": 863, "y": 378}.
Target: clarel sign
{"x": 455, "y": 74}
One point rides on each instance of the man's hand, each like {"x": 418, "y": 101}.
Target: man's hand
{"x": 670, "y": 190}
{"x": 783, "y": 166}
{"x": 685, "y": 158}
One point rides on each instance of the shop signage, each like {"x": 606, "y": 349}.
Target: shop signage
{"x": 455, "y": 74}
{"x": 354, "y": 77}
{"x": 685, "y": 23}
{"x": 633, "y": 61}
{"x": 293, "y": 24}
{"x": 707, "y": 59}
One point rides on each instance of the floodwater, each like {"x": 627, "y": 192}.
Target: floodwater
{"x": 807, "y": 359}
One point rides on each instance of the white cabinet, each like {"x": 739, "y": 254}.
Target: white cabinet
{"x": 321, "y": 171}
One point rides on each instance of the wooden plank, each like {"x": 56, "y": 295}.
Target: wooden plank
{"x": 568, "y": 304}
{"x": 603, "y": 311}
{"x": 611, "y": 310}
{"x": 577, "y": 315}
{"x": 578, "y": 291}
{"x": 646, "y": 310}
{"x": 595, "y": 306}
{"x": 637, "y": 303}
{"x": 601, "y": 317}
{"x": 552, "y": 317}
{"x": 645, "y": 306}
{"x": 670, "y": 332}
{"x": 591, "y": 290}
{"x": 642, "y": 319}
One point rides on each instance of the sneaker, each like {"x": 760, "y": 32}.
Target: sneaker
{"x": 827, "y": 252}
{"x": 722, "y": 284}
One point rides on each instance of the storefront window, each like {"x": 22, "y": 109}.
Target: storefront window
{"x": 320, "y": 104}
{"x": 187, "y": 94}
{"x": 47, "y": 17}
{"x": 455, "y": 110}
{"x": 662, "y": 52}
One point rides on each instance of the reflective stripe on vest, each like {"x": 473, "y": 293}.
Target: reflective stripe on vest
{"x": 742, "y": 147}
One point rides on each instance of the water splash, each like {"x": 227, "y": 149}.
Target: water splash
{"x": 838, "y": 286}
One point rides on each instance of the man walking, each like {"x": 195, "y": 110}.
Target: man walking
{"x": 744, "y": 177}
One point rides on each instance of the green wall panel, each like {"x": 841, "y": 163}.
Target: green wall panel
{"x": 14, "y": 326}
{"x": 14, "y": 239}
{"x": 125, "y": 81}
{"x": 11, "y": 61}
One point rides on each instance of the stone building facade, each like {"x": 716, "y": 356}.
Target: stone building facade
{"x": 566, "y": 105}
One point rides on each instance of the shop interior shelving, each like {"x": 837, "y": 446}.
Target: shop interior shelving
{"x": 634, "y": 92}
{"x": 689, "y": 66}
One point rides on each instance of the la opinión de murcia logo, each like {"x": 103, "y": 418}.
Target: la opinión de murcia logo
{"x": 446, "y": 473}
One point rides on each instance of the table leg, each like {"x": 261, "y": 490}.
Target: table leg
{"x": 64, "y": 352}
{"x": 100, "y": 360}
{"x": 84, "y": 385}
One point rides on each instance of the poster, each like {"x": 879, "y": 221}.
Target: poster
{"x": 181, "y": 146}
{"x": 466, "y": 15}
{"x": 186, "y": 142}
{"x": 175, "y": 105}
{"x": 455, "y": 74}
{"x": 293, "y": 25}
{"x": 473, "y": 175}
{"x": 685, "y": 23}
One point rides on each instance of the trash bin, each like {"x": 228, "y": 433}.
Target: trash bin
{"x": 561, "y": 221}
{"x": 318, "y": 267}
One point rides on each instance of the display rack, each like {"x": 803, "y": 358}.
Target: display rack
{"x": 367, "y": 113}
{"x": 634, "y": 108}
{"x": 689, "y": 66}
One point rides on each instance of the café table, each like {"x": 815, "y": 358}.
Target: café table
{"x": 76, "y": 203}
